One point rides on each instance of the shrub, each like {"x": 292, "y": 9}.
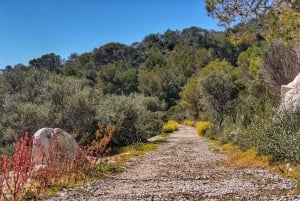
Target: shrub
{"x": 136, "y": 117}
{"x": 188, "y": 123}
{"x": 100, "y": 145}
{"x": 46, "y": 100}
{"x": 170, "y": 126}
{"x": 277, "y": 135}
{"x": 203, "y": 127}
{"x": 16, "y": 170}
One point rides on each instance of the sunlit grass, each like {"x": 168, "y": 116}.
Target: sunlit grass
{"x": 137, "y": 150}
{"x": 248, "y": 158}
{"x": 189, "y": 123}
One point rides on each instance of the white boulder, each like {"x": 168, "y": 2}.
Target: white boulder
{"x": 53, "y": 144}
{"x": 290, "y": 94}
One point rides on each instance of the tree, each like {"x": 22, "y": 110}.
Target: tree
{"x": 222, "y": 47}
{"x": 118, "y": 78}
{"x": 154, "y": 58}
{"x": 191, "y": 96}
{"x": 193, "y": 37}
{"x": 229, "y": 11}
{"x": 50, "y": 62}
{"x": 281, "y": 64}
{"x": 219, "y": 94}
{"x": 149, "y": 83}
{"x": 116, "y": 52}
{"x": 150, "y": 42}
{"x": 219, "y": 66}
{"x": 249, "y": 63}
{"x": 286, "y": 26}
{"x": 170, "y": 39}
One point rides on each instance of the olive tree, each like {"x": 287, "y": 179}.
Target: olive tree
{"x": 220, "y": 95}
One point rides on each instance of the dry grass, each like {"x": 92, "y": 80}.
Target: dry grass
{"x": 189, "y": 123}
{"x": 248, "y": 158}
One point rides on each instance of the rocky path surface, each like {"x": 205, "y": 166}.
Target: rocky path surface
{"x": 186, "y": 167}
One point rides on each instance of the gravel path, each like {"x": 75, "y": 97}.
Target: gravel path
{"x": 186, "y": 167}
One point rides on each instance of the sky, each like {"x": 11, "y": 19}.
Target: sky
{"x": 31, "y": 28}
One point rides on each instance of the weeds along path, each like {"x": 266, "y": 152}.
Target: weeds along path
{"x": 185, "y": 167}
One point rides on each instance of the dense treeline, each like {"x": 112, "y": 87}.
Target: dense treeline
{"x": 231, "y": 78}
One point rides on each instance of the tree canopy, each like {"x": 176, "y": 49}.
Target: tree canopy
{"x": 232, "y": 11}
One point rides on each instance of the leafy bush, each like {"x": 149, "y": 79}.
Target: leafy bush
{"x": 277, "y": 135}
{"x": 203, "y": 127}
{"x": 170, "y": 126}
{"x": 46, "y": 100}
{"x": 136, "y": 117}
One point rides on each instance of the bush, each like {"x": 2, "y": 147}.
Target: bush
{"x": 276, "y": 135}
{"x": 136, "y": 117}
{"x": 16, "y": 170}
{"x": 188, "y": 123}
{"x": 46, "y": 100}
{"x": 20, "y": 178}
{"x": 203, "y": 127}
{"x": 170, "y": 126}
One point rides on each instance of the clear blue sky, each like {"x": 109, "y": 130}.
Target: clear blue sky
{"x": 31, "y": 28}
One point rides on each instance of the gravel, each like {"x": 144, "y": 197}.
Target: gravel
{"x": 186, "y": 167}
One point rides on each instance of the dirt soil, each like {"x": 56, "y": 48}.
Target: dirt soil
{"x": 185, "y": 167}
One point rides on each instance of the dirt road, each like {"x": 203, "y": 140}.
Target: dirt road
{"x": 186, "y": 167}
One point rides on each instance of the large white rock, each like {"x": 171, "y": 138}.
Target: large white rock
{"x": 51, "y": 144}
{"x": 290, "y": 94}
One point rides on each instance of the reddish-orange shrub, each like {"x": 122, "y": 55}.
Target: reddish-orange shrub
{"x": 16, "y": 169}
{"x": 100, "y": 145}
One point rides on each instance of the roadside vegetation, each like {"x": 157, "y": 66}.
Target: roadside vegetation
{"x": 21, "y": 180}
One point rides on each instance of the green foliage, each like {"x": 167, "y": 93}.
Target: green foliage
{"x": 45, "y": 99}
{"x": 250, "y": 63}
{"x": 154, "y": 59}
{"x": 191, "y": 96}
{"x": 136, "y": 117}
{"x": 115, "y": 52}
{"x": 239, "y": 71}
{"x": 219, "y": 66}
{"x": 220, "y": 45}
{"x": 192, "y": 38}
{"x": 220, "y": 95}
{"x": 276, "y": 135}
{"x": 118, "y": 78}
{"x": 221, "y": 87}
{"x": 49, "y": 62}
{"x": 165, "y": 83}
{"x": 286, "y": 26}
{"x": 230, "y": 11}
